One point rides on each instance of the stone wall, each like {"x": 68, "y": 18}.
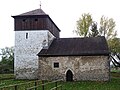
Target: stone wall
{"x": 26, "y": 50}
{"x": 95, "y": 68}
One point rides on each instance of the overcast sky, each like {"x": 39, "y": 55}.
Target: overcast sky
{"x": 64, "y": 13}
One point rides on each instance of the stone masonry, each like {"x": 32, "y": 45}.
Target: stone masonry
{"x": 94, "y": 68}
{"x": 26, "y": 50}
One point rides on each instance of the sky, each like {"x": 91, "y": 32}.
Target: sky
{"x": 64, "y": 13}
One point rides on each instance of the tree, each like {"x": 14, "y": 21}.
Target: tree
{"x": 83, "y": 25}
{"x": 93, "y": 31}
{"x": 107, "y": 28}
{"x": 114, "y": 45}
{"x": 6, "y": 63}
{"x": 86, "y": 27}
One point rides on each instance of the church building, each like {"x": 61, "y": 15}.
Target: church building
{"x": 40, "y": 53}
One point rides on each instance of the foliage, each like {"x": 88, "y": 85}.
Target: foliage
{"x": 107, "y": 28}
{"x": 94, "y": 32}
{"x": 7, "y": 61}
{"x": 86, "y": 27}
{"x": 114, "y": 45}
{"x": 83, "y": 25}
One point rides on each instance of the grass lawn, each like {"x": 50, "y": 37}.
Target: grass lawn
{"x": 6, "y": 76}
{"x": 114, "y": 84}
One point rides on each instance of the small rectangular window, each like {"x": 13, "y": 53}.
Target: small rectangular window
{"x": 26, "y": 35}
{"x": 24, "y": 20}
{"x": 56, "y": 65}
{"x": 36, "y": 20}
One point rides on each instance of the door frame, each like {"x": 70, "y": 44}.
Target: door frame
{"x": 69, "y": 75}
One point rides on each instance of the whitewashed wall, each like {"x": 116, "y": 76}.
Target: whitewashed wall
{"x": 26, "y": 50}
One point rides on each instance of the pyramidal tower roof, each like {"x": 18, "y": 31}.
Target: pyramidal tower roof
{"x": 33, "y": 12}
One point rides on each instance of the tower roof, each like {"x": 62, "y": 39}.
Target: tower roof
{"x": 33, "y": 12}
{"x": 37, "y": 13}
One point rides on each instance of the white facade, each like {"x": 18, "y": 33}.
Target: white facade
{"x": 27, "y": 45}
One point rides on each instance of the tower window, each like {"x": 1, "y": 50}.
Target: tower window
{"x": 24, "y": 20}
{"x": 36, "y": 20}
{"x": 56, "y": 65}
{"x": 26, "y": 36}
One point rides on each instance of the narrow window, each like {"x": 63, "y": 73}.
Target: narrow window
{"x": 56, "y": 65}
{"x": 24, "y": 24}
{"x": 36, "y": 20}
{"x": 24, "y": 20}
{"x": 26, "y": 36}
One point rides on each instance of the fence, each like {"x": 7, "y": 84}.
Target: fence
{"x": 21, "y": 86}
{"x": 54, "y": 85}
{"x": 6, "y": 76}
{"x": 35, "y": 85}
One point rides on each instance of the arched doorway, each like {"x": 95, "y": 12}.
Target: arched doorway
{"x": 69, "y": 75}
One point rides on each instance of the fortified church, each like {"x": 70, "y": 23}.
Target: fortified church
{"x": 40, "y": 53}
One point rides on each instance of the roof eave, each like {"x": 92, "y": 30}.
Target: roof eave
{"x": 99, "y": 54}
{"x": 29, "y": 15}
{"x": 46, "y": 15}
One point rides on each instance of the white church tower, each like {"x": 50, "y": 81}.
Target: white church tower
{"x": 34, "y": 30}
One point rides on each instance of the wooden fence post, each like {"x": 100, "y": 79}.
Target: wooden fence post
{"x": 56, "y": 85}
{"x": 35, "y": 85}
{"x": 43, "y": 88}
{"x": 15, "y": 87}
{"x": 61, "y": 87}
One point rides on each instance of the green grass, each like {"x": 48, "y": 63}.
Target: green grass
{"x": 117, "y": 71}
{"x": 6, "y": 76}
{"x": 11, "y": 82}
{"x": 114, "y": 84}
